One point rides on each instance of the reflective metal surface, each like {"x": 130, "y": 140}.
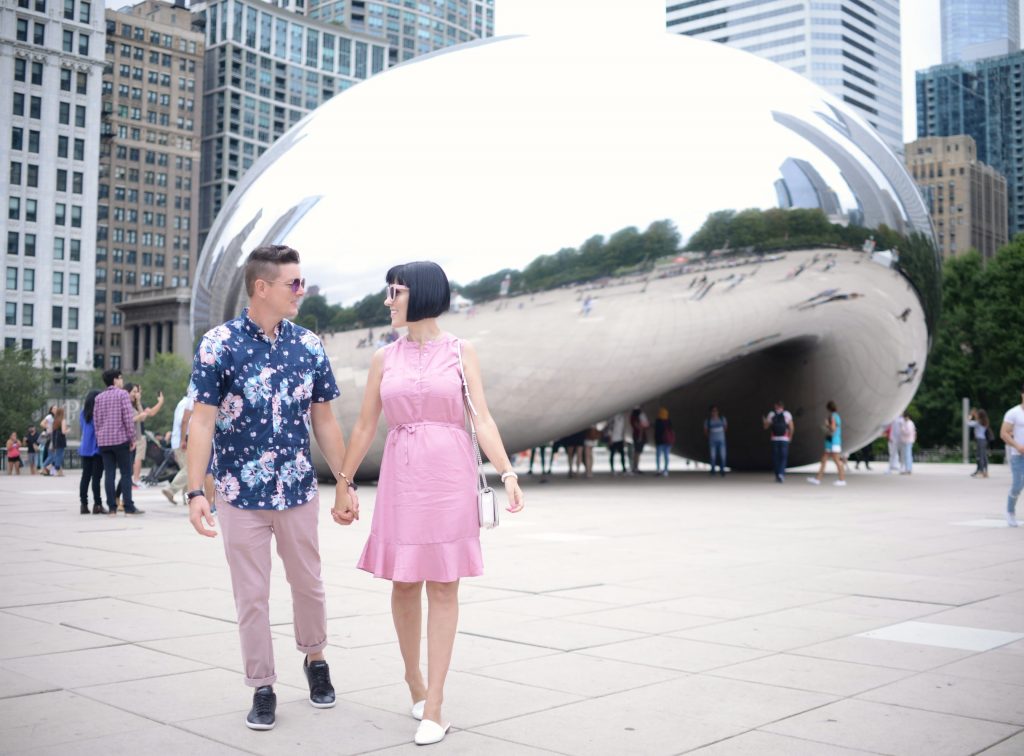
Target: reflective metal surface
{"x": 488, "y": 155}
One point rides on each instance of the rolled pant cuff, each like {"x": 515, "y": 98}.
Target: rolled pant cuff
{"x": 260, "y": 682}
{"x": 314, "y": 649}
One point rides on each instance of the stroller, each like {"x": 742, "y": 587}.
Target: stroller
{"x": 162, "y": 465}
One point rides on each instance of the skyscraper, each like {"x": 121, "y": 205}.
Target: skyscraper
{"x": 982, "y": 99}
{"x": 851, "y": 48}
{"x": 965, "y": 197}
{"x": 973, "y": 29}
{"x": 149, "y": 169}
{"x": 51, "y": 59}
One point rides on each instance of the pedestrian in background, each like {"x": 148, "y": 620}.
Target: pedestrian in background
{"x": 92, "y": 462}
{"x": 638, "y": 424}
{"x": 979, "y": 425}
{"x": 54, "y": 462}
{"x": 715, "y": 427}
{"x": 14, "y": 454}
{"x": 833, "y": 428}
{"x": 616, "y": 430}
{"x": 32, "y": 448}
{"x": 590, "y": 438}
{"x": 892, "y": 435}
{"x": 664, "y": 437}
{"x": 46, "y": 429}
{"x": 1012, "y": 434}
{"x": 113, "y": 419}
{"x": 908, "y": 435}
{"x": 779, "y": 422}
{"x": 179, "y": 444}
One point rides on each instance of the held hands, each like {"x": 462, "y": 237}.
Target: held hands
{"x": 346, "y": 505}
{"x": 200, "y": 517}
{"x": 515, "y": 495}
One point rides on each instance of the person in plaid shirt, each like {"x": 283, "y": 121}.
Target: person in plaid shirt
{"x": 115, "y": 435}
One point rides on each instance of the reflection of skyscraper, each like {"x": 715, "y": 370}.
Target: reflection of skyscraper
{"x": 973, "y": 29}
{"x": 983, "y": 99}
{"x": 802, "y": 186}
{"x": 850, "y": 48}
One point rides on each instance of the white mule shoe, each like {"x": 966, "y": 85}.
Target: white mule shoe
{"x": 417, "y": 709}
{"x": 430, "y": 732}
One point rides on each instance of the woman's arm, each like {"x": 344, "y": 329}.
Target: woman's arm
{"x": 346, "y": 503}
{"x": 486, "y": 429}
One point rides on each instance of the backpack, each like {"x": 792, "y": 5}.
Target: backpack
{"x": 779, "y": 425}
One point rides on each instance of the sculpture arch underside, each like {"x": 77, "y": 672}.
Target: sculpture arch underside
{"x": 806, "y": 327}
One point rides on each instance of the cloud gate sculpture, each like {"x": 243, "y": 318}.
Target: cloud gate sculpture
{"x": 487, "y": 155}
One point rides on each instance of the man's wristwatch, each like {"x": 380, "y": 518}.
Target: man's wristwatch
{"x": 193, "y": 494}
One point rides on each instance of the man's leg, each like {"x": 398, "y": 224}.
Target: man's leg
{"x": 246, "y": 535}
{"x": 1016, "y": 486}
{"x": 298, "y": 545}
{"x": 783, "y": 458}
{"x": 124, "y": 466}
{"x": 109, "y": 472}
{"x": 180, "y": 480}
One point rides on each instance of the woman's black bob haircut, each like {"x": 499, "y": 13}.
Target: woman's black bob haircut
{"x": 430, "y": 294}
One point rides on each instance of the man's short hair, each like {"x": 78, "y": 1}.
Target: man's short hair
{"x": 262, "y": 263}
{"x": 430, "y": 294}
{"x": 111, "y": 375}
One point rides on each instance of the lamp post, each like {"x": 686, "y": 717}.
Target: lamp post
{"x": 64, "y": 376}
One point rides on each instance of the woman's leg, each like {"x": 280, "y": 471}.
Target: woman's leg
{"x": 407, "y": 613}
{"x": 58, "y": 461}
{"x": 821, "y": 467}
{"x": 721, "y": 459}
{"x": 442, "y": 621}
{"x": 840, "y": 467}
{"x": 983, "y": 456}
{"x": 908, "y": 458}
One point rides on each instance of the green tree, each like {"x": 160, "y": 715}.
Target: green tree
{"x": 169, "y": 373}
{"x": 23, "y": 391}
{"x": 314, "y": 310}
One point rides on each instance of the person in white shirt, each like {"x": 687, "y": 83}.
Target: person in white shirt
{"x": 893, "y": 434}
{"x": 908, "y": 435}
{"x": 179, "y": 443}
{"x": 1012, "y": 434}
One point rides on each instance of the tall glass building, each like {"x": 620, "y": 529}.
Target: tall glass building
{"x": 983, "y": 99}
{"x": 849, "y": 47}
{"x": 973, "y": 29}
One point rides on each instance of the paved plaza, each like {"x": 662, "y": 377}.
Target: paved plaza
{"x": 617, "y": 616}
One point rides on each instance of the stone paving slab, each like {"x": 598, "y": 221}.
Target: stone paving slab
{"x": 616, "y": 615}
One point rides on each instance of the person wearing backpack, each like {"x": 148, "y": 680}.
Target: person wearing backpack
{"x": 780, "y": 423}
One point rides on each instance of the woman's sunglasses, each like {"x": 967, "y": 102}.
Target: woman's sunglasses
{"x": 297, "y": 284}
{"x": 394, "y": 290}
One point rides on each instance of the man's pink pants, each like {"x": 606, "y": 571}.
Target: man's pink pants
{"x": 246, "y": 534}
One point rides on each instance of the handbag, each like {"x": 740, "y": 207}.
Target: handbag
{"x": 487, "y": 501}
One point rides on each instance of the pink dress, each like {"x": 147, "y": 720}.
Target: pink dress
{"x": 425, "y": 521}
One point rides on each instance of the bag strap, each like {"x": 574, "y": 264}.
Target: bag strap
{"x": 470, "y": 412}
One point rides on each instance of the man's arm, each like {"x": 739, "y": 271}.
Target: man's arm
{"x": 200, "y": 443}
{"x": 328, "y": 434}
{"x": 1006, "y": 434}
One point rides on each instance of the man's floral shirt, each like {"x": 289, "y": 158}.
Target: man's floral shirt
{"x": 264, "y": 392}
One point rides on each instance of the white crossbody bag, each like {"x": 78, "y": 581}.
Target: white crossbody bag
{"x": 487, "y": 501}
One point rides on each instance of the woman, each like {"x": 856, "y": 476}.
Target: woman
{"x": 590, "y": 438}
{"x": 140, "y": 416}
{"x": 714, "y": 428}
{"x": 92, "y": 461}
{"x": 14, "y": 454}
{"x": 908, "y": 435}
{"x": 32, "y": 444}
{"x": 664, "y": 437}
{"x": 45, "y": 432}
{"x": 425, "y": 522}
{"x": 638, "y": 424}
{"x": 58, "y": 443}
{"x": 833, "y": 446}
{"x": 979, "y": 423}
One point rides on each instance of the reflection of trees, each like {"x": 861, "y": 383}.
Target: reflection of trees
{"x": 772, "y": 230}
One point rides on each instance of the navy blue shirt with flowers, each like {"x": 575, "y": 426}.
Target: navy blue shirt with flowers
{"x": 263, "y": 391}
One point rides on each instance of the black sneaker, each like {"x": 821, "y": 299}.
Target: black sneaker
{"x": 321, "y": 692}
{"x": 264, "y": 705}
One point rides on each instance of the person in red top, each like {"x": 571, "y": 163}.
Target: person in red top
{"x": 113, "y": 418}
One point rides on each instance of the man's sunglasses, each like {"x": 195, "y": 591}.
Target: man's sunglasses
{"x": 297, "y": 284}
{"x": 393, "y": 290}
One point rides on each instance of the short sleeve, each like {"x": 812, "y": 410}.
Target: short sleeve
{"x": 206, "y": 384}
{"x": 325, "y": 388}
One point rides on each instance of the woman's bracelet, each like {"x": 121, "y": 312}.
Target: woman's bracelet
{"x": 348, "y": 480}
{"x": 508, "y": 474}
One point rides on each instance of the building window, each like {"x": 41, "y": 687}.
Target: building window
{"x": 72, "y": 318}
{"x": 14, "y": 177}
{"x": 14, "y": 208}
{"x": 30, "y": 245}
{"x": 12, "y": 278}
{"x": 83, "y": 44}
{"x": 37, "y": 74}
{"x": 68, "y": 41}
{"x": 28, "y": 279}
{"x": 59, "y": 213}
{"x": 11, "y": 313}
{"x": 73, "y": 284}
{"x": 76, "y": 216}
{"x": 21, "y": 30}
{"x": 64, "y": 113}
{"x": 28, "y": 314}
{"x": 58, "y": 282}
{"x": 72, "y": 355}
{"x": 18, "y": 104}
{"x": 55, "y": 350}
{"x": 69, "y": 10}
{"x": 62, "y": 180}
{"x": 57, "y": 317}
{"x": 58, "y": 248}
{"x": 13, "y": 242}
{"x": 76, "y": 250}
{"x": 17, "y": 138}
{"x": 33, "y": 175}
{"x": 30, "y": 210}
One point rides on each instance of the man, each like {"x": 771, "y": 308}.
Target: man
{"x": 1012, "y": 434}
{"x": 179, "y": 444}
{"x": 258, "y": 383}
{"x": 780, "y": 422}
{"x": 113, "y": 419}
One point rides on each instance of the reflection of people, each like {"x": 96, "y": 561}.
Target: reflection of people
{"x": 908, "y": 435}
{"x": 638, "y": 424}
{"x": 616, "y": 430}
{"x": 780, "y": 423}
{"x": 426, "y": 526}
{"x": 259, "y": 382}
{"x": 1012, "y": 434}
{"x": 892, "y": 434}
{"x": 664, "y": 437}
{"x": 833, "y": 446}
